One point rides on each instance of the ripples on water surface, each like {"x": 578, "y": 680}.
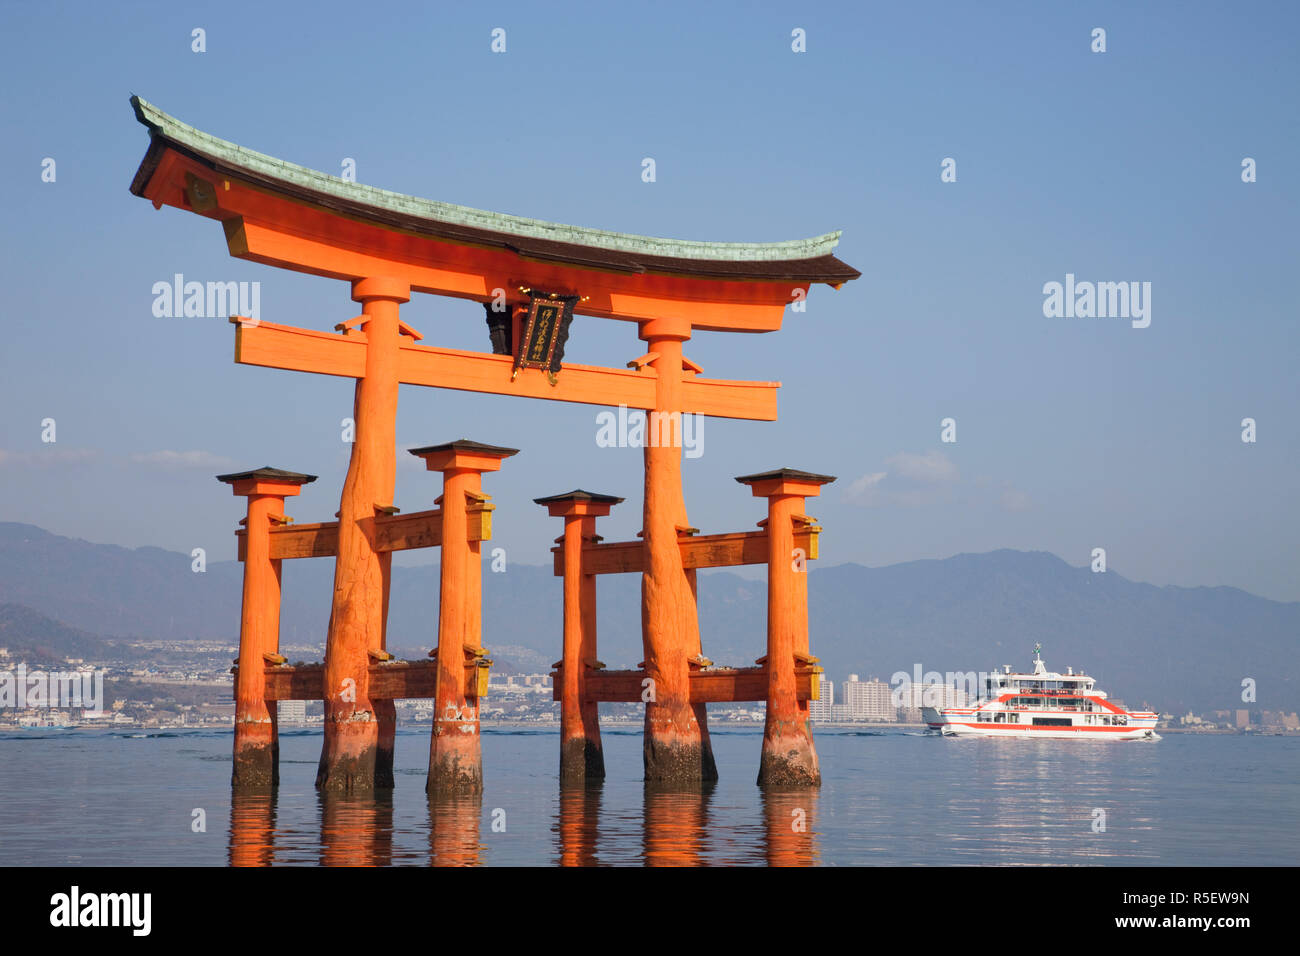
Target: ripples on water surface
{"x": 887, "y": 797}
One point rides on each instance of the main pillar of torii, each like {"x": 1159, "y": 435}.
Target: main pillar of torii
{"x": 357, "y": 753}
{"x": 388, "y": 246}
{"x": 676, "y": 741}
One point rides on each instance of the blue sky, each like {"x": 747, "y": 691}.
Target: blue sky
{"x": 1071, "y": 433}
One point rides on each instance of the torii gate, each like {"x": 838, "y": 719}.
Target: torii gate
{"x": 388, "y": 245}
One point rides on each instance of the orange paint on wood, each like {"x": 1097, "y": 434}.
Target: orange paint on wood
{"x": 676, "y": 749}
{"x": 350, "y": 756}
{"x": 455, "y": 752}
{"x": 327, "y": 353}
{"x": 401, "y": 532}
{"x": 712, "y": 686}
{"x": 581, "y": 754}
{"x": 391, "y": 680}
{"x": 698, "y": 551}
{"x": 593, "y": 749}
{"x": 261, "y": 226}
{"x": 256, "y": 743}
{"x": 788, "y": 758}
{"x": 572, "y": 730}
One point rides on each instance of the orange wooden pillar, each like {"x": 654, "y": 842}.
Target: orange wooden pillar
{"x": 257, "y": 744}
{"x": 455, "y": 751}
{"x": 356, "y": 728}
{"x": 676, "y": 746}
{"x": 581, "y": 757}
{"x": 789, "y": 758}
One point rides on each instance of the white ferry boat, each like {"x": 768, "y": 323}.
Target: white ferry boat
{"x": 1042, "y": 704}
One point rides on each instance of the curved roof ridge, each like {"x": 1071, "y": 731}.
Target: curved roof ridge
{"x": 185, "y": 135}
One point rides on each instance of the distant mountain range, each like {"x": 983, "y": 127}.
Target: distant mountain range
{"x": 1172, "y": 648}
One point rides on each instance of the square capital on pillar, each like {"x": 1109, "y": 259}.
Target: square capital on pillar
{"x": 266, "y": 481}
{"x": 463, "y": 455}
{"x": 578, "y": 503}
{"x": 785, "y": 481}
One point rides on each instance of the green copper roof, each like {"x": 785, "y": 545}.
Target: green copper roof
{"x": 187, "y": 136}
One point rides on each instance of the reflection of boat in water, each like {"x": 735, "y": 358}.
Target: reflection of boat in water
{"x": 1042, "y": 704}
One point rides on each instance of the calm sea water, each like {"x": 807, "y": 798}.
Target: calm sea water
{"x": 890, "y": 797}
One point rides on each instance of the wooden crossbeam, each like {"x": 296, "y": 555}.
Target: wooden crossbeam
{"x": 327, "y": 353}
{"x": 419, "y": 529}
{"x": 714, "y": 686}
{"x": 318, "y": 242}
{"x": 395, "y": 680}
{"x": 699, "y": 551}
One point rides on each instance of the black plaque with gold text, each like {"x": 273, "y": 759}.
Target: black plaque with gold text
{"x": 546, "y": 329}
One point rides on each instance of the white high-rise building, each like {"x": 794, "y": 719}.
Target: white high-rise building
{"x": 866, "y": 700}
{"x": 822, "y": 709}
{"x": 291, "y": 712}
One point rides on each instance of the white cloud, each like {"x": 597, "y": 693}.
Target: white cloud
{"x": 911, "y": 480}
{"x": 864, "y": 487}
{"x": 933, "y": 466}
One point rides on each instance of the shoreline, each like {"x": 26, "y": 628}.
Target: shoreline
{"x": 614, "y": 725}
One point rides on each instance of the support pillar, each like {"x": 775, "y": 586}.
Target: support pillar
{"x": 257, "y": 745}
{"x": 455, "y": 751}
{"x": 789, "y": 758}
{"x": 581, "y": 757}
{"x": 677, "y": 750}
{"x": 356, "y": 754}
